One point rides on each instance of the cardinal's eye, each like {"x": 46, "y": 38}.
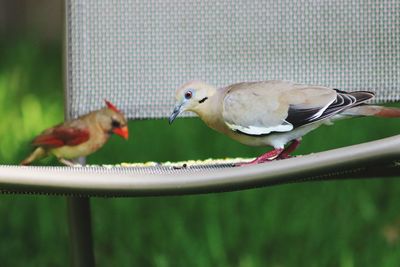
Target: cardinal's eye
{"x": 115, "y": 124}
{"x": 188, "y": 95}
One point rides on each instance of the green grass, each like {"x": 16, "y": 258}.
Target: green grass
{"x": 337, "y": 223}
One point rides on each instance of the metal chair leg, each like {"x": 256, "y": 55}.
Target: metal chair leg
{"x": 81, "y": 240}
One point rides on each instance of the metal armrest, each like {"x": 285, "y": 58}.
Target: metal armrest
{"x": 373, "y": 159}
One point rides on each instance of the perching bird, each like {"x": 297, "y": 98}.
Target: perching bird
{"x": 272, "y": 113}
{"x": 79, "y": 137}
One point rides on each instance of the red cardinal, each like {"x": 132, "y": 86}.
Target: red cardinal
{"x": 79, "y": 137}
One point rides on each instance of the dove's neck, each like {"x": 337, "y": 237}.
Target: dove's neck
{"x": 211, "y": 110}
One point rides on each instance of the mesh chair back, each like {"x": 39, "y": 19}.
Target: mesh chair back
{"x": 137, "y": 52}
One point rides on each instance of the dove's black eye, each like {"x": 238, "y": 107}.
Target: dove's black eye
{"x": 115, "y": 124}
{"x": 188, "y": 95}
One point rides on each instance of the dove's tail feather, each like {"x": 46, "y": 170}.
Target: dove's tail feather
{"x": 372, "y": 110}
{"x": 388, "y": 112}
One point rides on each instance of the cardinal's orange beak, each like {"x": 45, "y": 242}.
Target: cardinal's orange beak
{"x": 123, "y": 132}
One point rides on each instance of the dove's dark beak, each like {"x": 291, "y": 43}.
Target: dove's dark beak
{"x": 175, "y": 113}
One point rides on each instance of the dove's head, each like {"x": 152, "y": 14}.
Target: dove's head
{"x": 192, "y": 96}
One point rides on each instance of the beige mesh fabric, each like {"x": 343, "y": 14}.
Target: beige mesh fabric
{"x": 137, "y": 52}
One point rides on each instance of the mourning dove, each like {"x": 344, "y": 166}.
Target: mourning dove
{"x": 79, "y": 137}
{"x": 272, "y": 113}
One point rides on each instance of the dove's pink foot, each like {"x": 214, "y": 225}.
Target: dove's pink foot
{"x": 269, "y": 156}
{"x": 279, "y": 153}
{"x": 289, "y": 149}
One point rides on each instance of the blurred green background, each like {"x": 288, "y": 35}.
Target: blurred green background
{"x": 341, "y": 223}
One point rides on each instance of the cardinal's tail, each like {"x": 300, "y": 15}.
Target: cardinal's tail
{"x": 38, "y": 153}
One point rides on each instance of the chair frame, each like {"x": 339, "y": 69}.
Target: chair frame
{"x": 373, "y": 159}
